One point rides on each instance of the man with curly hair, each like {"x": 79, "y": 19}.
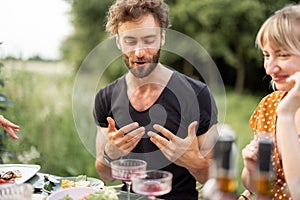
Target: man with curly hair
{"x": 153, "y": 112}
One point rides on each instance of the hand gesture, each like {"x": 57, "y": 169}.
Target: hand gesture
{"x": 178, "y": 150}
{"x": 9, "y": 127}
{"x": 121, "y": 142}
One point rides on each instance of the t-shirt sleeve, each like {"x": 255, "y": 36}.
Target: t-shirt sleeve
{"x": 100, "y": 111}
{"x": 208, "y": 111}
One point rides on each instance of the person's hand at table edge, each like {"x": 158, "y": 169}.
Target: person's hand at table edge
{"x": 9, "y": 127}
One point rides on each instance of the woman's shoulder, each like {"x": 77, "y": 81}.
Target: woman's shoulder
{"x": 273, "y": 97}
{"x": 264, "y": 116}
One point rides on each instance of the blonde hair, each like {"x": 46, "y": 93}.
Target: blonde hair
{"x": 282, "y": 29}
{"x": 131, "y": 10}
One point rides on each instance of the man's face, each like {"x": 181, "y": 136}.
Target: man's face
{"x": 140, "y": 42}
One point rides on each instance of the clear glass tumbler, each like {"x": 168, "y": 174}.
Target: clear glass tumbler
{"x": 16, "y": 191}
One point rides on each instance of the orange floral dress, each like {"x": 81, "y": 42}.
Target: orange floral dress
{"x": 263, "y": 120}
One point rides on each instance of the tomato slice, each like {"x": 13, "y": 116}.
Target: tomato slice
{"x": 2, "y": 181}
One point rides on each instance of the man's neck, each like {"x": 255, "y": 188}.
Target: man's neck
{"x": 143, "y": 92}
{"x": 160, "y": 75}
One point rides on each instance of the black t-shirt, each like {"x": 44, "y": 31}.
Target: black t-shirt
{"x": 182, "y": 101}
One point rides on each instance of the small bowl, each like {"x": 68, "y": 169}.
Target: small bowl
{"x": 152, "y": 183}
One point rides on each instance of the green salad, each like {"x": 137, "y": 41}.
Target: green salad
{"x": 67, "y": 197}
{"x": 104, "y": 194}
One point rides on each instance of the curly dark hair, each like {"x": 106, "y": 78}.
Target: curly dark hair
{"x": 129, "y": 10}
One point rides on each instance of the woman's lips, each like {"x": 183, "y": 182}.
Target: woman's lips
{"x": 279, "y": 78}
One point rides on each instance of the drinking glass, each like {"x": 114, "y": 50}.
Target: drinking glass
{"x": 123, "y": 169}
{"x": 16, "y": 191}
{"x": 152, "y": 183}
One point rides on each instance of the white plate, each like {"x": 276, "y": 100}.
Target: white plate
{"x": 94, "y": 183}
{"x": 75, "y": 193}
{"x": 27, "y": 171}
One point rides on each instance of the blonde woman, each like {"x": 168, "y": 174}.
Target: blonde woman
{"x": 278, "y": 114}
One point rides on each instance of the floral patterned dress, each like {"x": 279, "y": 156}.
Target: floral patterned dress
{"x": 263, "y": 120}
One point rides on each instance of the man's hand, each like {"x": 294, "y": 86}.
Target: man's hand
{"x": 178, "y": 150}
{"x": 121, "y": 142}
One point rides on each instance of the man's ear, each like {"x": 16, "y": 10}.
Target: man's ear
{"x": 163, "y": 37}
{"x": 118, "y": 42}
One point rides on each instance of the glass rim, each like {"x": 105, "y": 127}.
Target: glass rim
{"x": 144, "y": 175}
{"x": 116, "y": 162}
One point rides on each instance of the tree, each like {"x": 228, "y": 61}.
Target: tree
{"x": 226, "y": 29}
{"x": 87, "y": 18}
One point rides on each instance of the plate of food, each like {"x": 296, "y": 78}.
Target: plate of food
{"x": 17, "y": 173}
{"x": 50, "y": 184}
{"x": 80, "y": 181}
{"x": 71, "y": 193}
{"x": 83, "y": 193}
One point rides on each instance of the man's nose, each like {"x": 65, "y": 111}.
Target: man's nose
{"x": 139, "y": 50}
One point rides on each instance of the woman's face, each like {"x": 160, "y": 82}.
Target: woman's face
{"x": 280, "y": 64}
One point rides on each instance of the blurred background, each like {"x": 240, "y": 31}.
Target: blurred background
{"x": 43, "y": 44}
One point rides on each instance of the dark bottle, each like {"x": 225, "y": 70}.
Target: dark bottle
{"x": 265, "y": 174}
{"x": 222, "y": 183}
{"x": 224, "y": 158}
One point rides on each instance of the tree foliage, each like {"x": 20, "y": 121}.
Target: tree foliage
{"x": 225, "y": 28}
{"x": 88, "y": 19}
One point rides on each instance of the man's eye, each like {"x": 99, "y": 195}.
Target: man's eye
{"x": 130, "y": 42}
{"x": 149, "y": 41}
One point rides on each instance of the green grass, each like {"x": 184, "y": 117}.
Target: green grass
{"x": 43, "y": 109}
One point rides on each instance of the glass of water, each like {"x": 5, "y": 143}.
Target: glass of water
{"x": 16, "y": 191}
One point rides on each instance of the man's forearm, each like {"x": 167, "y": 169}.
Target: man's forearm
{"x": 200, "y": 169}
{"x": 103, "y": 170}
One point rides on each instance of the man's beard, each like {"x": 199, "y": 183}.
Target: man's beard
{"x": 141, "y": 72}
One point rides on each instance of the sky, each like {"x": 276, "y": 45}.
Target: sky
{"x": 33, "y": 27}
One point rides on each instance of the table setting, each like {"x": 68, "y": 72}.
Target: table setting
{"x": 25, "y": 180}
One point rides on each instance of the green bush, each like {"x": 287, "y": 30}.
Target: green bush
{"x": 48, "y": 135}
